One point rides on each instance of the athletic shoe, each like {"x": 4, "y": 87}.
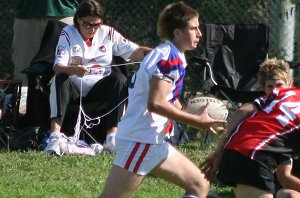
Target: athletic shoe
{"x": 97, "y": 148}
{"x": 110, "y": 143}
{"x": 44, "y": 141}
{"x": 53, "y": 146}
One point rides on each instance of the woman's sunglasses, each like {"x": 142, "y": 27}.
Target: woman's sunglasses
{"x": 88, "y": 25}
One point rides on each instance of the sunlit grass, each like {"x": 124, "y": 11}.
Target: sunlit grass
{"x": 35, "y": 174}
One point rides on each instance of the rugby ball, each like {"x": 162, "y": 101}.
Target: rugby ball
{"x": 216, "y": 109}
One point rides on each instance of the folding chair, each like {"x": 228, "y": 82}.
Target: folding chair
{"x": 235, "y": 52}
{"x": 210, "y": 85}
{"x": 10, "y": 96}
{"x": 231, "y": 57}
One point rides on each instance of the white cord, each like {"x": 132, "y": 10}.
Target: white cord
{"x": 78, "y": 128}
{"x": 114, "y": 65}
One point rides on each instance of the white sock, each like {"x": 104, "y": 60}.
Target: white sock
{"x": 189, "y": 196}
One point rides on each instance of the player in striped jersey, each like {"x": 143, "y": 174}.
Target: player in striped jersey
{"x": 153, "y": 102}
{"x": 83, "y": 55}
{"x": 262, "y": 137}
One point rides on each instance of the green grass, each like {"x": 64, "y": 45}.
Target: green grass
{"x": 35, "y": 174}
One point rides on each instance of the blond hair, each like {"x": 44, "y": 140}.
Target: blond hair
{"x": 274, "y": 69}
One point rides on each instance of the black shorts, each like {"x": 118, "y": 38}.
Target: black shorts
{"x": 236, "y": 169}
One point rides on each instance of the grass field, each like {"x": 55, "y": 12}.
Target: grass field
{"x": 35, "y": 174}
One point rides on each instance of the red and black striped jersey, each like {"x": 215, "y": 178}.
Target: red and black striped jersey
{"x": 273, "y": 128}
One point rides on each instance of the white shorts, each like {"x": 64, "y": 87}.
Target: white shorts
{"x": 141, "y": 158}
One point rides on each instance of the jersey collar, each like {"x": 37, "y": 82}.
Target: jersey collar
{"x": 181, "y": 55}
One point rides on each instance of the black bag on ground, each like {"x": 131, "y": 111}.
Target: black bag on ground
{"x": 179, "y": 137}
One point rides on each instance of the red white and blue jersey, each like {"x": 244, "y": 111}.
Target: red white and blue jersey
{"x": 138, "y": 124}
{"x": 106, "y": 43}
{"x": 274, "y": 128}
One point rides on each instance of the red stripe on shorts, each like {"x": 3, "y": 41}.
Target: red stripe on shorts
{"x": 135, "y": 149}
{"x": 138, "y": 164}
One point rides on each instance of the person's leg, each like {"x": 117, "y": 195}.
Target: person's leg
{"x": 287, "y": 193}
{"x": 26, "y": 43}
{"x": 245, "y": 191}
{"x": 179, "y": 170}
{"x": 121, "y": 183}
{"x": 250, "y": 178}
{"x": 133, "y": 161}
{"x": 27, "y": 37}
{"x": 112, "y": 90}
{"x": 61, "y": 92}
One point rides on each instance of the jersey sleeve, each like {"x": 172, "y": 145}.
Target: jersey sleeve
{"x": 258, "y": 103}
{"x": 62, "y": 49}
{"x": 122, "y": 46}
{"x": 168, "y": 69}
{"x": 261, "y": 102}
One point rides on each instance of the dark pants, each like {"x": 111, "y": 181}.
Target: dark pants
{"x": 111, "y": 90}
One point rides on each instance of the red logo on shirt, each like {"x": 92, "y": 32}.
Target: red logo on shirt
{"x": 102, "y": 48}
{"x": 61, "y": 51}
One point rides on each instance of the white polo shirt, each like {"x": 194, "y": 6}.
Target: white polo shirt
{"x": 106, "y": 43}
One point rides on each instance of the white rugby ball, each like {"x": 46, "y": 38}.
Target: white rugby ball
{"x": 216, "y": 109}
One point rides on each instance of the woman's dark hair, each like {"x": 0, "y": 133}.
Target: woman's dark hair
{"x": 88, "y": 8}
